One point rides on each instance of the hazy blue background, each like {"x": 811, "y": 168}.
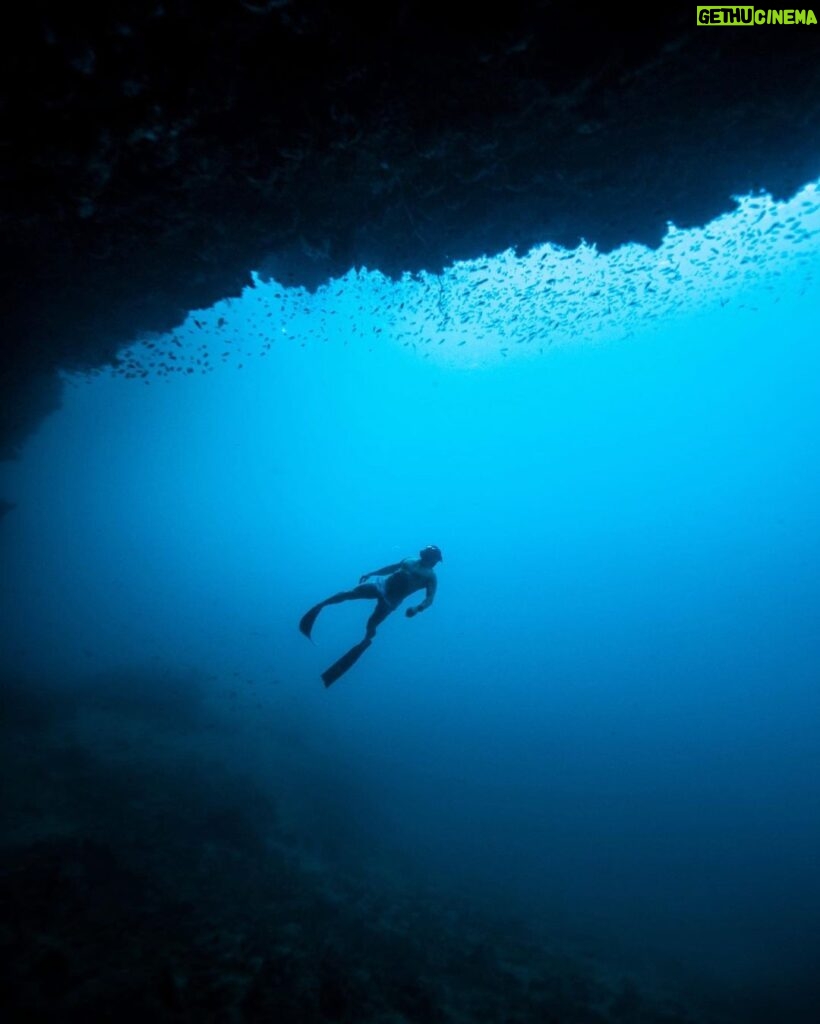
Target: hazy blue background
{"x": 608, "y": 720}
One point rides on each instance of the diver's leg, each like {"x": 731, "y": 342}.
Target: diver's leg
{"x": 363, "y": 590}
{"x": 380, "y": 613}
{"x": 341, "y": 666}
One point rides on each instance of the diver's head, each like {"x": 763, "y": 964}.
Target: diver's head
{"x": 430, "y": 556}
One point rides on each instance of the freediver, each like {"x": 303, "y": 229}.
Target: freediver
{"x": 388, "y": 586}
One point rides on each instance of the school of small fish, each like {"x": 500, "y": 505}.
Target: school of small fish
{"x": 506, "y": 305}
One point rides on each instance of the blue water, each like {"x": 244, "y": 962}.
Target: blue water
{"x": 607, "y": 723}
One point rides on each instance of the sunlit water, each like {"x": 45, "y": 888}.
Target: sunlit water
{"x": 609, "y": 718}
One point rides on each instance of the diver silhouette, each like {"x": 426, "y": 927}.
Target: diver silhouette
{"x": 388, "y": 586}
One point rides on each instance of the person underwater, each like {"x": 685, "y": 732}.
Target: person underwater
{"x": 388, "y": 586}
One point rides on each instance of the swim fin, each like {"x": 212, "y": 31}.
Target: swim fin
{"x": 346, "y": 661}
{"x": 307, "y": 620}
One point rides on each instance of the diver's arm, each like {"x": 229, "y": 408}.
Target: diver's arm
{"x": 384, "y": 571}
{"x": 428, "y": 600}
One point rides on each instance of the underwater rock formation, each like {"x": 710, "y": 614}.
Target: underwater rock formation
{"x": 141, "y": 884}
{"x": 155, "y": 153}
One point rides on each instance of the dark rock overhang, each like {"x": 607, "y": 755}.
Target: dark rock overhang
{"x": 154, "y": 153}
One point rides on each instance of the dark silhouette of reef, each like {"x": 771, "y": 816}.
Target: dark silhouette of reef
{"x": 147, "y": 874}
{"x": 153, "y": 154}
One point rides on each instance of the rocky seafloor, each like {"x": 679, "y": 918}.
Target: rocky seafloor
{"x": 145, "y": 876}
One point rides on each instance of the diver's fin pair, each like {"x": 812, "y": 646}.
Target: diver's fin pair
{"x": 346, "y": 661}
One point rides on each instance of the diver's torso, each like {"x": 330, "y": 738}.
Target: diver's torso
{"x": 412, "y": 576}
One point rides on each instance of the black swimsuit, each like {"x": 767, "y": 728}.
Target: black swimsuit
{"x": 397, "y": 586}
